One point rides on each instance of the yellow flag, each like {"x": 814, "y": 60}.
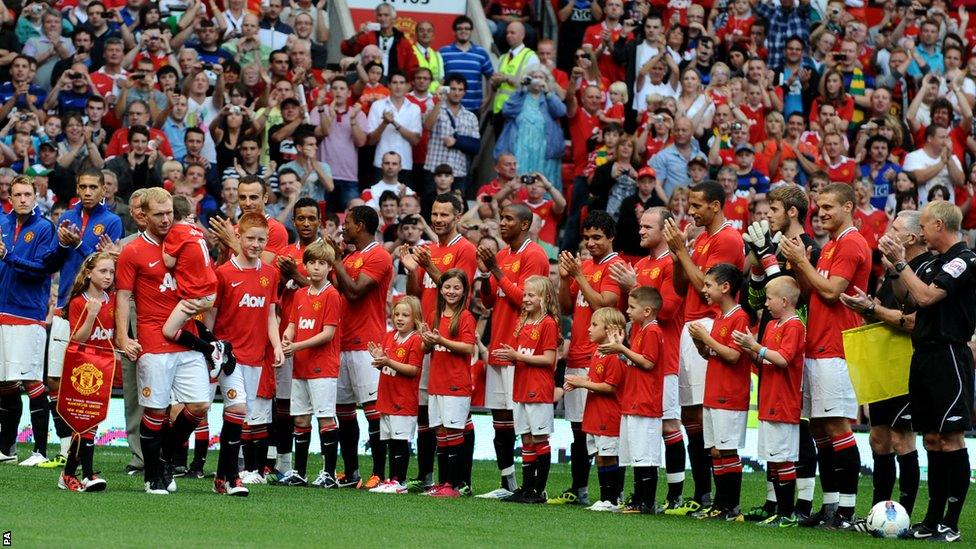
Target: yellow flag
{"x": 878, "y": 359}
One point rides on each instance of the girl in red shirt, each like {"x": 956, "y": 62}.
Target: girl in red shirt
{"x": 451, "y": 342}
{"x": 536, "y": 339}
{"x": 399, "y": 360}
{"x": 91, "y": 316}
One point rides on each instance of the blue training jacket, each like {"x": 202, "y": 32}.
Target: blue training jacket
{"x": 33, "y": 255}
{"x": 101, "y": 221}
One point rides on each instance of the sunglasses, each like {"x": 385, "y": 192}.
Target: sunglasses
{"x": 582, "y": 56}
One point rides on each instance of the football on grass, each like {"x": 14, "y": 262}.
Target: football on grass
{"x": 888, "y": 519}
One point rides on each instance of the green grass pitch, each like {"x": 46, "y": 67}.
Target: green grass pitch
{"x": 37, "y": 514}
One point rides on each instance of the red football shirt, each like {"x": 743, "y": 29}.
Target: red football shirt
{"x": 598, "y": 275}
{"x": 450, "y": 373}
{"x": 399, "y": 394}
{"x": 844, "y": 171}
{"x": 757, "y": 131}
{"x": 848, "y": 257}
{"x": 313, "y": 312}
{"x": 550, "y": 221}
{"x": 601, "y": 415}
{"x": 658, "y": 272}
{"x": 245, "y": 297}
{"x": 594, "y": 37}
{"x": 725, "y": 246}
{"x": 140, "y": 269}
{"x": 459, "y": 253}
{"x": 581, "y": 128}
{"x": 194, "y": 271}
{"x": 295, "y": 252}
{"x": 277, "y": 236}
{"x": 871, "y": 225}
{"x": 737, "y": 212}
{"x": 727, "y": 385}
{"x": 643, "y": 393}
{"x": 530, "y": 259}
{"x": 103, "y": 332}
{"x": 364, "y": 319}
{"x": 535, "y": 383}
{"x": 780, "y": 395}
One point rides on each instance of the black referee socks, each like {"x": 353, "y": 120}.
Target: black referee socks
{"x": 957, "y": 478}
{"x": 883, "y": 477}
{"x": 908, "y": 480}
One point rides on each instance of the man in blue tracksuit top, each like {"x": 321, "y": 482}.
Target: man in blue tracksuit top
{"x": 29, "y": 255}
{"x": 92, "y": 220}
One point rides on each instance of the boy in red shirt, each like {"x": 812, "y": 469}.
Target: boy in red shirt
{"x": 247, "y": 292}
{"x": 780, "y": 359}
{"x": 186, "y": 254}
{"x": 310, "y": 341}
{"x": 726, "y": 402}
{"x": 641, "y": 402}
{"x": 601, "y": 416}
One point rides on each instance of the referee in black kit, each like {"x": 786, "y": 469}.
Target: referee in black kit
{"x": 940, "y": 384}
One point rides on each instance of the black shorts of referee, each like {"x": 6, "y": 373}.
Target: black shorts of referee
{"x": 940, "y": 386}
{"x": 894, "y": 413}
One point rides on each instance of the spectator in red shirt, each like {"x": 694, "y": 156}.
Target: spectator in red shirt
{"x": 400, "y": 56}
{"x": 583, "y": 124}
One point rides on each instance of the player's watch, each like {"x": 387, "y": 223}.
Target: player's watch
{"x": 900, "y": 266}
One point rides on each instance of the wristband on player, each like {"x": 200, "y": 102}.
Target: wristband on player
{"x": 770, "y": 264}
{"x": 762, "y": 354}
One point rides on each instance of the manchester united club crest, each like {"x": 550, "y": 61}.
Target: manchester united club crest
{"x": 828, "y": 253}
{"x": 655, "y": 272}
{"x": 265, "y": 281}
{"x": 358, "y": 263}
{"x": 599, "y": 368}
{"x": 316, "y": 305}
{"x": 99, "y": 229}
{"x": 87, "y": 379}
{"x": 705, "y": 249}
{"x": 232, "y": 394}
{"x": 29, "y": 236}
{"x": 779, "y": 337}
{"x": 146, "y": 391}
{"x": 597, "y": 276}
{"x": 535, "y": 334}
{"x": 447, "y": 259}
{"x": 516, "y": 265}
{"x": 401, "y": 353}
{"x": 724, "y": 331}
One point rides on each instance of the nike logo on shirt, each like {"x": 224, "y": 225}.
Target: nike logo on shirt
{"x": 236, "y": 284}
{"x": 153, "y": 264}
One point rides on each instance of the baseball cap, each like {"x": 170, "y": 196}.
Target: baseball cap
{"x": 646, "y": 171}
{"x": 291, "y": 101}
{"x": 50, "y": 144}
{"x": 699, "y": 159}
{"x": 744, "y": 147}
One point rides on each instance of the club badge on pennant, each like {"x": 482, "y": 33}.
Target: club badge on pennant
{"x": 86, "y": 386}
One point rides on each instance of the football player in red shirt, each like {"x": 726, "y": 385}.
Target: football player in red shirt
{"x": 641, "y": 397}
{"x": 363, "y": 278}
{"x": 718, "y": 243}
{"x": 534, "y": 356}
{"x": 656, "y": 271}
{"x": 425, "y": 265}
{"x": 503, "y": 293}
{"x": 450, "y": 337}
{"x": 726, "y": 399}
{"x": 780, "y": 359}
{"x": 305, "y": 216}
{"x": 399, "y": 359}
{"x": 585, "y": 286}
{"x": 310, "y": 341}
{"x": 90, "y": 311}
{"x": 165, "y": 369}
{"x": 601, "y": 418}
{"x": 252, "y": 195}
{"x": 244, "y": 313}
{"x": 829, "y": 400}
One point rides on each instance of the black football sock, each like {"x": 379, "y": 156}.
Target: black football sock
{"x": 230, "y": 445}
{"x": 259, "y": 445}
{"x": 150, "y": 435}
{"x": 73, "y": 459}
{"x": 40, "y": 414}
{"x": 528, "y": 465}
{"x": 455, "y": 457}
{"x": 504, "y": 443}
{"x": 377, "y": 447}
{"x": 606, "y": 475}
{"x": 957, "y": 472}
{"x": 201, "y": 443}
{"x": 733, "y": 474}
{"x": 938, "y": 487}
{"x": 284, "y": 433}
{"x": 329, "y": 446}
{"x": 543, "y": 461}
{"x": 579, "y": 459}
{"x": 399, "y": 459}
{"x": 194, "y": 343}
{"x": 701, "y": 461}
{"x": 828, "y": 477}
{"x": 180, "y": 430}
{"x": 674, "y": 464}
{"x": 426, "y": 446}
{"x": 247, "y": 448}
{"x": 181, "y": 454}
{"x": 468, "y": 462}
{"x": 61, "y": 427}
{"x": 12, "y": 407}
{"x": 806, "y": 471}
{"x": 348, "y": 438}
{"x": 303, "y": 439}
{"x": 908, "y": 478}
{"x": 785, "y": 489}
{"x": 640, "y": 486}
{"x": 618, "y": 484}
{"x": 770, "y": 505}
{"x": 847, "y": 464}
{"x": 718, "y": 474}
{"x": 442, "y": 463}
{"x": 883, "y": 477}
{"x": 88, "y": 454}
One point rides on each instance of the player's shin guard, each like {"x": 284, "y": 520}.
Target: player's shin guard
{"x": 181, "y": 429}
{"x": 230, "y": 445}
{"x": 806, "y": 471}
{"x": 957, "y": 473}
{"x": 399, "y": 459}
{"x": 543, "y": 460}
{"x": 259, "y": 446}
{"x": 847, "y": 465}
{"x": 11, "y": 408}
{"x": 303, "y": 438}
{"x": 426, "y": 446}
{"x": 150, "y": 435}
{"x": 442, "y": 463}
{"x": 455, "y": 456}
{"x": 828, "y": 477}
{"x": 40, "y": 415}
{"x": 504, "y": 443}
{"x": 284, "y": 433}
{"x": 468, "y": 461}
{"x": 201, "y": 443}
{"x": 329, "y": 445}
{"x": 883, "y": 477}
{"x": 785, "y": 488}
{"x": 377, "y": 447}
{"x": 701, "y": 461}
{"x": 579, "y": 459}
{"x": 528, "y": 465}
{"x": 348, "y": 437}
{"x": 908, "y": 476}
{"x": 674, "y": 463}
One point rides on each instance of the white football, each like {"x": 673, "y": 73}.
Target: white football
{"x": 888, "y": 519}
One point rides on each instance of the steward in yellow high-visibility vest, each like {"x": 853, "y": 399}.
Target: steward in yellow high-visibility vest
{"x": 509, "y": 68}
{"x": 427, "y": 56}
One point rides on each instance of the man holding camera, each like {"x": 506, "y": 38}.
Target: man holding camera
{"x": 19, "y": 91}
{"x": 72, "y": 90}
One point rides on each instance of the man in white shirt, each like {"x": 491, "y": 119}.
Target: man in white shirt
{"x": 396, "y": 125}
{"x": 390, "y": 181}
{"x": 934, "y": 164}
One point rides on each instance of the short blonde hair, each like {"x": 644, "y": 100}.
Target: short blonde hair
{"x": 948, "y": 213}
{"x": 785, "y": 287}
{"x": 621, "y": 88}
{"x": 318, "y": 251}
{"x": 611, "y": 317}
{"x": 154, "y": 194}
